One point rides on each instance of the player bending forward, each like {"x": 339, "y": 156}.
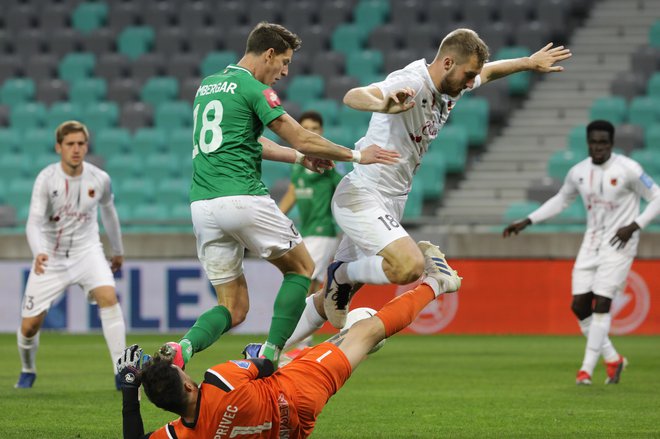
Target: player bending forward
{"x": 246, "y": 397}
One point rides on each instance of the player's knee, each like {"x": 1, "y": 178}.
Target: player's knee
{"x": 29, "y": 330}
{"x": 237, "y": 317}
{"x": 602, "y": 305}
{"x": 581, "y": 307}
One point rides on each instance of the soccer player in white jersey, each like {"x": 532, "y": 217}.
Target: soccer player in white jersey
{"x": 611, "y": 186}
{"x": 410, "y": 106}
{"x": 63, "y": 234}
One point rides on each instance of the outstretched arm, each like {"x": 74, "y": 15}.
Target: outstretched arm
{"x": 129, "y": 367}
{"x": 278, "y": 153}
{"x": 372, "y": 99}
{"x": 542, "y": 61}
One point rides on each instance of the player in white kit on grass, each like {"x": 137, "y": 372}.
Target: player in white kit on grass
{"x": 63, "y": 234}
{"x": 410, "y": 106}
{"x": 611, "y": 186}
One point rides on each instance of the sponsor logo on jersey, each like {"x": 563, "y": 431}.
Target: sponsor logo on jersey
{"x": 631, "y": 306}
{"x": 613, "y": 181}
{"x": 91, "y": 192}
{"x": 437, "y": 314}
{"x": 271, "y": 97}
{"x": 241, "y": 363}
{"x": 54, "y": 193}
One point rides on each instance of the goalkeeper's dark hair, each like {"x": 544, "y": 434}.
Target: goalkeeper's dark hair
{"x": 601, "y": 125}
{"x": 270, "y": 35}
{"x": 163, "y": 385}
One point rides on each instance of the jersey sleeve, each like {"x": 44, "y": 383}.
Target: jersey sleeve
{"x": 227, "y": 376}
{"x": 264, "y": 102}
{"x": 398, "y": 80}
{"x": 648, "y": 189}
{"x": 37, "y": 214}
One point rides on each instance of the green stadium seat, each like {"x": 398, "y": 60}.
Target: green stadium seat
{"x": 652, "y": 137}
{"x": 649, "y": 159}
{"x": 473, "y": 115}
{"x": 124, "y": 212}
{"x": 173, "y": 115}
{"x": 134, "y": 191}
{"x": 124, "y": 166}
{"x": 110, "y": 142}
{"x": 370, "y": 14}
{"x": 149, "y": 140}
{"x": 38, "y": 141}
{"x": 561, "y": 161}
{"x": 150, "y": 212}
{"x": 357, "y": 120}
{"x": 41, "y": 161}
{"x": 653, "y": 86}
{"x": 371, "y": 79}
{"x": 19, "y": 192}
{"x": 180, "y": 214}
{"x": 13, "y": 166}
{"x": 654, "y": 34}
{"x": 101, "y": 115}
{"x": 644, "y": 111}
{"x": 450, "y": 147}
{"x": 173, "y": 192}
{"x": 348, "y": 38}
{"x": 577, "y": 139}
{"x": 303, "y": 88}
{"x": 11, "y": 138}
{"x": 519, "y": 83}
{"x": 575, "y": 213}
{"x": 179, "y": 141}
{"x": 22, "y": 214}
{"x": 341, "y": 135}
{"x": 88, "y": 91}
{"x": 329, "y": 109}
{"x": 415, "y": 202}
{"x": 364, "y": 63}
{"x": 162, "y": 166}
{"x": 63, "y": 111}
{"x": 216, "y": 61}
{"x": 89, "y": 16}
{"x": 431, "y": 173}
{"x": 611, "y": 108}
{"x": 27, "y": 116}
{"x": 519, "y": 210}
{"x": 76, "y": 66}
{"x": 17, "y": 90}
{"x": 134, "y": 41}
{"x": 159, "y": 90}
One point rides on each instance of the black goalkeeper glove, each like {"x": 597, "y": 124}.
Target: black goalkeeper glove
{"x": 129, "y": 366}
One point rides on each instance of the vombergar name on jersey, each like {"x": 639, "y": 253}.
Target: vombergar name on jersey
{"x": 220, "y": 87}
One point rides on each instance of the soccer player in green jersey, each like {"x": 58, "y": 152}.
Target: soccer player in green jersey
{"x": 230, "y": 206}
{"x": 312, "y": 193}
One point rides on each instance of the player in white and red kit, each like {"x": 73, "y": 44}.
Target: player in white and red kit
{"x": 63, "y": 234}
{"x": 611, "y": 186}
{"x": 409, "y": 108}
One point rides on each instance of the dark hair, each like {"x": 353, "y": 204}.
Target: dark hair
{"x": 463, "y": 43}
{"x": 313, "y": 115}
{"x": 163, "y": 385}
{"x": 269, "y": 35}
{"x": 601, "y": 125}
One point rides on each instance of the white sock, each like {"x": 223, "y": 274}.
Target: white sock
{"x": 609, "y": 353}
{"x": 366, "y": 271}
{"x": 309, "y": 322}
{"x": 27, "y": 350}
{"x": 598, "y": 330}
{"x": 114, "y": 331}
{"x": 433, "y": 283}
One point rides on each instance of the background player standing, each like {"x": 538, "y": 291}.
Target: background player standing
{"x": 611, "y": 186}
{"x": 63, "y": 234}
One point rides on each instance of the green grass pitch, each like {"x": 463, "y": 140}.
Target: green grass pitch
{"x": 415, "y": 387}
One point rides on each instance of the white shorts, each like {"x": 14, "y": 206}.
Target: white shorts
{"x": 322, "y": 250}
{"x": 370, "y": 221}
{"x": 603, "y": 274}
{"x": 89, "y": 269}
{"x": 226, "y": 226}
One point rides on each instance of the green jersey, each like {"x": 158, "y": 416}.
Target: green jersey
{"x": 230, "y": 111}
{"x": 313, "y": 196}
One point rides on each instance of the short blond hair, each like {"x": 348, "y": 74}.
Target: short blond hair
{"x": 68, "y": 127}
{"x": 464, "y": 43}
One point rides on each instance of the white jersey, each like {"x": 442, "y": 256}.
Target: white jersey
{"x": 611, "y": 195}
{"x": 64, "y": 211}
{"x": 409, "y": 133}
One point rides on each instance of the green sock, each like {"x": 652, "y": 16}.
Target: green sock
{"x": 289, "y": 305}
{"x": 206, "y": 330}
